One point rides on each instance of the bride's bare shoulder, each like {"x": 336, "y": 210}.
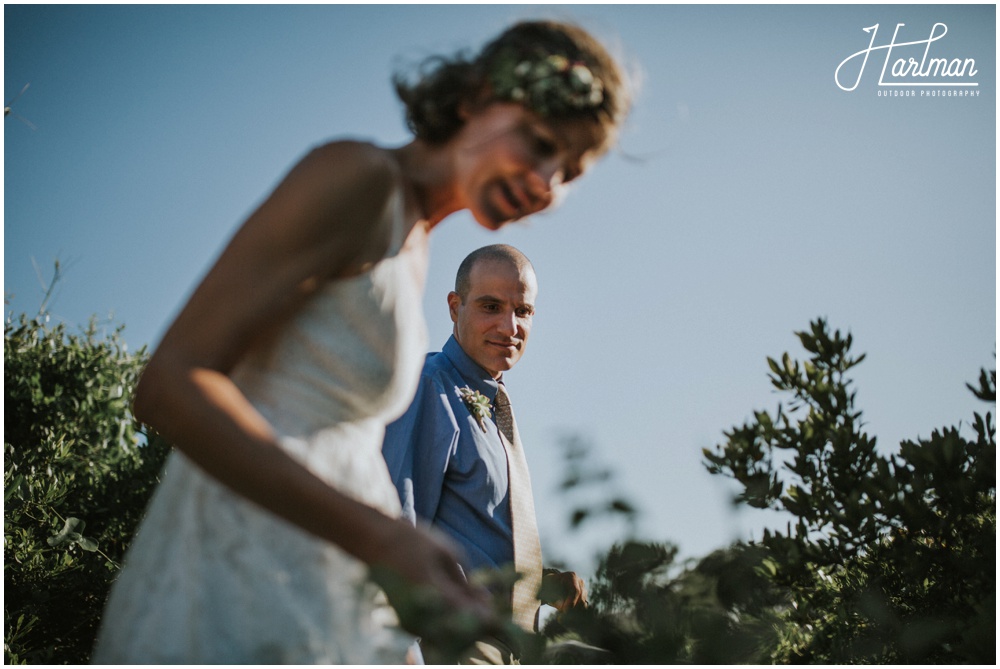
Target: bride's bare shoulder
{"x": 347, "y": 183}
{"x": 339, "y": 196}
{"x": 354, "y": 163}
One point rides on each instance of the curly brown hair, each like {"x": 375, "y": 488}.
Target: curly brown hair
{"x": 444, "y": 84}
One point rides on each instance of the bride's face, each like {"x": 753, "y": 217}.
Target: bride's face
{"x": 511, "y": 163}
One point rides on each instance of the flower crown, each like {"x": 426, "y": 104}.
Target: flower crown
{"x": 550, "y": 84}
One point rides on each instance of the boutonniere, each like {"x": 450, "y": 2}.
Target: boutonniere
{"x": 477, "y": 404}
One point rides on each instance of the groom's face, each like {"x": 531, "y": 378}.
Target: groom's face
{"x": 493, "y": 321}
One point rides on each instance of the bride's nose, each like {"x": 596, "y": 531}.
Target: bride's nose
{"x": 545, "y": 177}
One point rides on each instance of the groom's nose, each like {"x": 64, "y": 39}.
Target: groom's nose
{"x": 507, "y": 323}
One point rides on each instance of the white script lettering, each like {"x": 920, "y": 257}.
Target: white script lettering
{"x": 911, "y": 67}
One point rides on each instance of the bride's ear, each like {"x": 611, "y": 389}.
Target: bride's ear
{"x": 474, "y": 102}
{"x": 467, "y": 108}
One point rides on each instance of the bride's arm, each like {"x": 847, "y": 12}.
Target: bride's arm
{"x": 321, "y": 222}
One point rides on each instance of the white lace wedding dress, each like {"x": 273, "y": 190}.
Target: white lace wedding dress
{"x": 212, "y": 578}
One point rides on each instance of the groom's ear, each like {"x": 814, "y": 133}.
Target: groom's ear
{"x": 454, "y": 302}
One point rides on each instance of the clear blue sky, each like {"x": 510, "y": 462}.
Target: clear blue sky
{"x": 750, "y": 195}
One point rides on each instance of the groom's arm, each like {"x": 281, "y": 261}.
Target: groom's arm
{"x": 417, "y": 449}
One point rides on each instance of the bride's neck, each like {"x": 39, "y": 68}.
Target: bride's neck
{"x": 428, "y": 170}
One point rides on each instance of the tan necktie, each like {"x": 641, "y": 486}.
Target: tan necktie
{"x": 527, "y": 548}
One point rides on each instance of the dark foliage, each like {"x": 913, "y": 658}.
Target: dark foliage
{"x": 78, "y": 471}
{"x": 892, "y": 558}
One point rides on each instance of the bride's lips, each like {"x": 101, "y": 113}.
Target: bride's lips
{"x": 514, "y": 198}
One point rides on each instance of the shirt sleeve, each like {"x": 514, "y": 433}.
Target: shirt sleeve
{"x": 418, "y": 447}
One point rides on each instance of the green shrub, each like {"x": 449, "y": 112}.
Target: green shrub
{"x": 647, "y": 609}
{"x": 78, "y": 472}
{"x": 890, "y": 559}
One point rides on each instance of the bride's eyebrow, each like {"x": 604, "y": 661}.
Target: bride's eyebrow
{"x": 538, "y": 129}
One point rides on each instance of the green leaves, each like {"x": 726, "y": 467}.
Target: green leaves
{"x": 445, "y": 634}
{"x": 868, "y": 527}
{"x": 72, "y": 452}
{"x": 647, "y": 609}
{"x": 582, "y": 482}
{"x": 888, "y": 558}
{"x": 72, "y": 532}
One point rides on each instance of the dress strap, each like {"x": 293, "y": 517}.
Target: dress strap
{"x": 394, "y": 208}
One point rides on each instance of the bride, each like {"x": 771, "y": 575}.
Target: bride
{"x": 304, "y": 339}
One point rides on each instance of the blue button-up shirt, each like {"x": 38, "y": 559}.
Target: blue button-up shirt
{"x": 450, "y": 472}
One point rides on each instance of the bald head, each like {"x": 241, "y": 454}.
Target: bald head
{"x": 501, "y": 253}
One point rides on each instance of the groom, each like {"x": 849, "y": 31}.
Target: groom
{"x": 455, "y": 455}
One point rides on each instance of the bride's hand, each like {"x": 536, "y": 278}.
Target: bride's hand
{"x": 425, "y": 557}
{"x": 424, "y": 583}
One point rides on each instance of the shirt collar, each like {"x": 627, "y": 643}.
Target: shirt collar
{"x": 477, "y": 377}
